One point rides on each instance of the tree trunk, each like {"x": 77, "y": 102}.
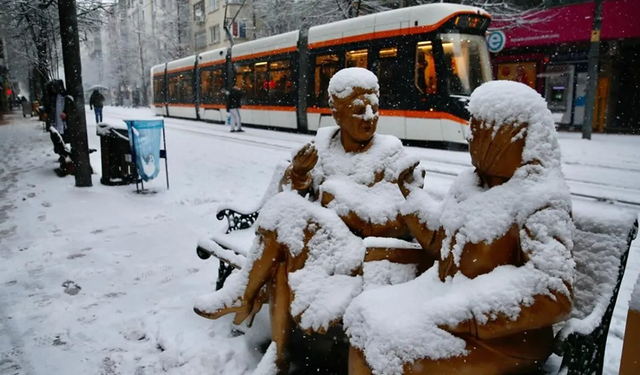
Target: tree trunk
{"x": 76, "y": 120}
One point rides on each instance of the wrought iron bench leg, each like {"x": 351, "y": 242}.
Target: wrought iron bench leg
{"x": 224, "y": 271}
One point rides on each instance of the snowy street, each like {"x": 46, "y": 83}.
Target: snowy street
{"x": 102, "y": 280}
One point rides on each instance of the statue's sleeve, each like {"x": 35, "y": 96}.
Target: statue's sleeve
{"x": 421, "y": 214}
{"x": 546, "y": 244}
{"x": 295, "y": 181}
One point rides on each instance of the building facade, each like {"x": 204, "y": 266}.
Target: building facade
{"x": 551, "y": 55}
{"x": 208, "y": 20}
{"x": 138, "y": 35}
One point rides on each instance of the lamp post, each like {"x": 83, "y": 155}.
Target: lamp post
{"x": 592, "y": 72}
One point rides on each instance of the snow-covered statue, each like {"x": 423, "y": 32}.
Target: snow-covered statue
{"x": 503, "y": 240}
{"x": 307, "y": 256}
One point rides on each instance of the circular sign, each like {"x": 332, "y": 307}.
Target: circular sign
{"x": 496, "y": 41}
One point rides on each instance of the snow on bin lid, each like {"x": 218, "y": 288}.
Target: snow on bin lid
{"x": 343, "y": 82}
{"x": 105, "y": 129}
{"x": 501, "y": 103}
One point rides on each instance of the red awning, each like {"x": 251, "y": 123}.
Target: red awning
{"x": 573, "y": 23}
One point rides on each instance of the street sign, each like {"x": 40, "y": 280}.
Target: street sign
{"x": 496, "y": 41}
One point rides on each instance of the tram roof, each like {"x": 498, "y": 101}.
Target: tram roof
{"x": 271, "y": 45}
{"x": 411, "y": 20}
{"x": 215, "y": 56}
{"x": 157, "y": 69}
{"x": 181, "y": 64}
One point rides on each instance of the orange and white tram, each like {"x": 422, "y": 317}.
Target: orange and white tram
{"x": 428, "y": 60}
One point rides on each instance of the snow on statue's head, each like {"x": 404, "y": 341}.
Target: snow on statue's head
{"x": 511, "y": 126}
{"x": 353, "y": 97}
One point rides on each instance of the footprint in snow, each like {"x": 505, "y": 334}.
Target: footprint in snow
{"x": 71, "y": 288}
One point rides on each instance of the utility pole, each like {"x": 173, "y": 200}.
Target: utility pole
{"x": 76, "y": 120}
{"x": 592, "y": 72}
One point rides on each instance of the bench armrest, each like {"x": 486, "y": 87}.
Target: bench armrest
{"x": 237, "y": 220}
{"x": 228, "y": 256}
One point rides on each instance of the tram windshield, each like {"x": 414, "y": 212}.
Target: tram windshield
{"x": 467, "y": 59}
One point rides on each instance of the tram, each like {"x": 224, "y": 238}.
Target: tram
{"x": 428, "y": 60}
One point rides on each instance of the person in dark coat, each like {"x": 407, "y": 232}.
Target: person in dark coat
{"x": 234, "y": 98}
{"x": 96, "y": 102}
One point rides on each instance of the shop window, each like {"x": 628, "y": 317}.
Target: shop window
{"x": 280, "y": 84}
{"x": 389, "y": 77}
{"x": 357, "y": 58}
{"x": 326, "y": 67}
{"x": 425, "y": 72}
{"x": 520, "y": 72}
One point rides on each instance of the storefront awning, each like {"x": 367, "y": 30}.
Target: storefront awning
{"x": 571, "y": 24}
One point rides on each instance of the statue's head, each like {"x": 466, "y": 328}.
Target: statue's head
{"x": 511, "y": 126}
{"x": 353, "y": 97}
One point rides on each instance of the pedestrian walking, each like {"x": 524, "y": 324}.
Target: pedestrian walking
{"x": 234, "y": 98}
{"x": 96, "y": 102}
{"x": 26, "y": 107}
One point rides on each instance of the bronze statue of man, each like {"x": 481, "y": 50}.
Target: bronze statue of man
{"x": 307, "y": 256}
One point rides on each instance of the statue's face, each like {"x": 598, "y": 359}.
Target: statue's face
{"x": 357, "y": 114}
{"x": 498, "y": 153}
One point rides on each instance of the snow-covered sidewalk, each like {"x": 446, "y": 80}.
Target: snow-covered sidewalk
{"x": 102, "y": 280}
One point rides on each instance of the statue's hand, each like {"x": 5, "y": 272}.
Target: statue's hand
{"x": 405, "y": 179}
{"x": 305, "y": 160}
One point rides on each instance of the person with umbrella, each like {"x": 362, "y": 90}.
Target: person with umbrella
{"x": 96, "y": 103}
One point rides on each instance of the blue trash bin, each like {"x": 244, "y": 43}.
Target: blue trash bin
{"x": 146, "y": 139}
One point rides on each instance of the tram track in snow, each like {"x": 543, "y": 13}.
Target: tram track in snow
{"x": 442, "y": 173}
{"x": 579, "y": 188}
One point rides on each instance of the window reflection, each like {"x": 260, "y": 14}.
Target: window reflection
{"x": 425, "y": 71}
{"x": 357, "y": 58}
{"x": 326, "y": 67}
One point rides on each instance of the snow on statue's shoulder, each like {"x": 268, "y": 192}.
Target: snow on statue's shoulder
{"x": 343, "y": 82}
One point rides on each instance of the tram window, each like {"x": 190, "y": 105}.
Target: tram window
{"x": 326, "y": 67}
{"x": 425, "y": 73}
{"x": 388, "y": 71}
{"x": 212, "y": 84}
{"x": 280, "y": 84}
{"x": 174, "y": 88}
{"x": 467, "y": 61}
{"x": 205, "y": 84}
{"x": 357, "y": 58}
{"x": 261, "y": 83}
{"x": 186, "y": 87}
{"x": 244, "y": 80}
{"x": 158, "y": 89}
